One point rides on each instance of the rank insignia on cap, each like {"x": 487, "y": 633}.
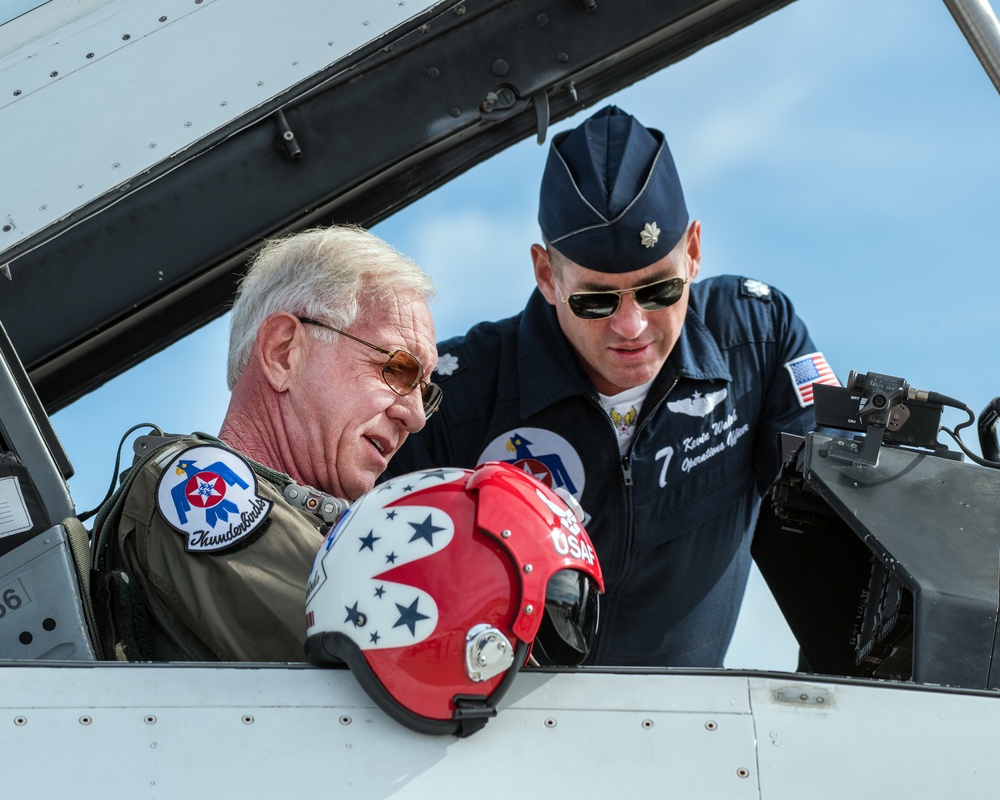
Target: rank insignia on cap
{"x": 209, "y": 494}
{"x": 649, "y": 235}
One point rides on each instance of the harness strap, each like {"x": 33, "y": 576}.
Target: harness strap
{"x": 79, "y": 544}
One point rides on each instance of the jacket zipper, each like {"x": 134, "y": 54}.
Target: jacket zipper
{"x": 627, "y": 483}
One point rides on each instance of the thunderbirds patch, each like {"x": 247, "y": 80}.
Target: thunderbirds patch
{"x": 545, "y": 455}
{"x": 209, "y": 494}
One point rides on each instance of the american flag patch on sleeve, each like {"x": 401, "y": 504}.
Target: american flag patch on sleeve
{"x": 807, "y": 370}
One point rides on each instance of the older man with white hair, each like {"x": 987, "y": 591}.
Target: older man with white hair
{"x": 331, "y": 346}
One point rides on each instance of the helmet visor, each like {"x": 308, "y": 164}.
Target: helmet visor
{"x": 570, "y": 622}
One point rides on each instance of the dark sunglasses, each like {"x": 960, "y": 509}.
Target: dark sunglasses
{"x": 651, "y": 297}
{"x": 402, "y": 373}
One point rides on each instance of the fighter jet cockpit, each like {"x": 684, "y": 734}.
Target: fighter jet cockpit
{"x": 152, "y": 149}
{"x": 881, "y": 545}
{"x": 44, "y": 548}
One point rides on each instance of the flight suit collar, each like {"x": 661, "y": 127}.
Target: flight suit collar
{"x": 547, "y": 369}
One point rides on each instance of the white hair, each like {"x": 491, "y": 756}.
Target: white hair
{"x": 323, "y": 273}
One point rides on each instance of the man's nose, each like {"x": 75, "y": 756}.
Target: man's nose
{"x": 409, "y": 410}
{"x": 629, "y": 319}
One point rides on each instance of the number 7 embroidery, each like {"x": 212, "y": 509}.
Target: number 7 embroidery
{"x": 666, "y": 454}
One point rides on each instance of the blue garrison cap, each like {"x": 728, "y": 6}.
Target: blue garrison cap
{"x": 611, "y": 199}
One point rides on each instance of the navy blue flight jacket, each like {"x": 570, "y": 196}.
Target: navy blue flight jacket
{"x": 672, "y": 519}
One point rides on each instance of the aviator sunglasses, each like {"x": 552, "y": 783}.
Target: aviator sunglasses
{"x": 402, "y": 373}
{"x": 651, "y": 297}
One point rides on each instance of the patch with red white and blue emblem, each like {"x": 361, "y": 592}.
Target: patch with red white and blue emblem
{"x": 209, "y": 494}
{"x": 543, "y": 454}
{"x": 806, "y": 371}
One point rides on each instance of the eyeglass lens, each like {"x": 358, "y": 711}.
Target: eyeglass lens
{"x": 402, "y": 373}
{"x": 597, "y": 305}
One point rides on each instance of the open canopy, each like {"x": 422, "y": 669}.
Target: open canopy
{"x": 157, "y": 146}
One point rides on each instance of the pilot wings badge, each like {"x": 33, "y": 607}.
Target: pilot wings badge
{"x": 698, "y": 405}
{"x": 209, "y": 494}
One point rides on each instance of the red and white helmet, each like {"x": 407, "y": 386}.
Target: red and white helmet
{"x": 433, "y": 586}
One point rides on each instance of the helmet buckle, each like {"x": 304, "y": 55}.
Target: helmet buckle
{"x": 487, "y": 653}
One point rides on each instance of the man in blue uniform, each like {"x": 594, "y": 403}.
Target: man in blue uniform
{"x": 654, "y": 399}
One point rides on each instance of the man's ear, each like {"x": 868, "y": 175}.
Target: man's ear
{"x": 694, "y": 249}
{"x": 280, "y": 349}
{"x": 544, "y": 276}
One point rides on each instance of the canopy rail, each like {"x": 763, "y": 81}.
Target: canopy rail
{"x": 978, "y": 22}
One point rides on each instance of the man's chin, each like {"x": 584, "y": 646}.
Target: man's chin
{"x": 622, "y": 380}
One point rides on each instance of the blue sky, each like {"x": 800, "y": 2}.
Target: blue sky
{"x": 844, "y": 151}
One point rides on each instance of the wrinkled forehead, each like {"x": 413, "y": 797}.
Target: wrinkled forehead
{"x": 399, "y": 321}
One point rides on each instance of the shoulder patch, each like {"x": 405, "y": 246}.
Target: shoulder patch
{"x": 447, "y": 365}
{"x": 209, "y": 495}
{"x": 751, "y": 288}
{"x": 541, "y": 453}
{"x": 807, "y": 370}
